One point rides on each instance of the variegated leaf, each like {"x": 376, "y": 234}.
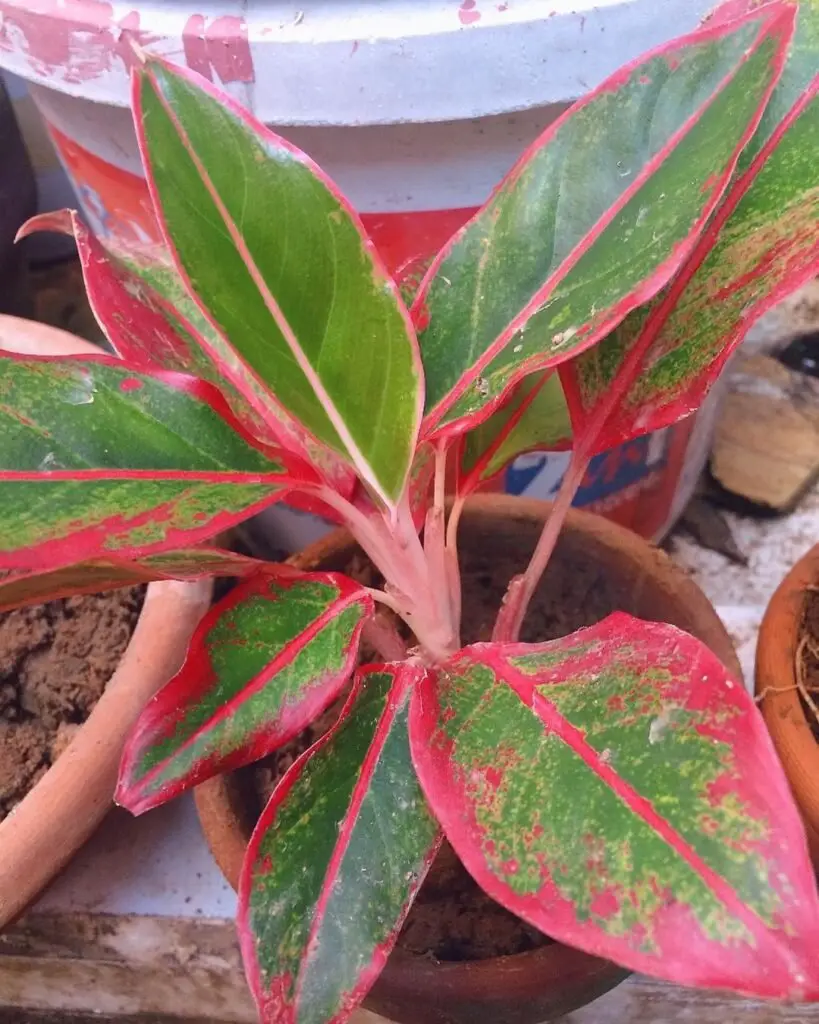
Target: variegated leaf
{"x": 263, "y": 664}
{"x": 280, "y": 263}
{"x": 23, "y": 587}
{"x": 101, "y": 460}
{"x": 336, "y": 859}
{"x": 567, "y": 246}
{"x": 618, "y": 789}
{"x": 762, "y": 244}
{"x": 535, "y": 418}
{"x": 797, "y": 74}
{"x": 150, "y": 319}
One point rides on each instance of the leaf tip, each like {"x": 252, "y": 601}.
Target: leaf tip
{"x": 139, "y": 53}
{"x": 128, "y": 798}
{"x": 60, "y": 221}
{"x": 128, "y": 793}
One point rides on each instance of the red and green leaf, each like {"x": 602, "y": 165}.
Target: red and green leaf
{"x": 18, "y": 588}
{"x": 535, "y": 418}
{"x": 568, "y": 246}
{"x": 101, "y": 460}
{"x": 263, "y": 663}
{"x": 798, "y": 73}
{"x": 150, "y": 320}
{"x": 619, "y": 791}
{"x": 336, "y": 860}
{"x": 297, "y": 286}
{"x": 762, "y": 244}
{"x": 142, "y": 327}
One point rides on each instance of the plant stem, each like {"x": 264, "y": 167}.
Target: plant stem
{"x": 520, "y": 590}
{"x": 424, "y": 582}
{"x": 364, "y": 528}
{"x": 434, "y": 527}
{"x": 381, "y": 634}
{"x": 383, "y": 598}
{"x": 439, "y": 488}
{"x": 454, "y": 520}
{"x": 392, "y": 544}
{"x": 452, "y": 561}
{"x": 435, "y": 546}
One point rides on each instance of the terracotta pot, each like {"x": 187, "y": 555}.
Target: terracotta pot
{"x": 779, "y": 698}
{"x": 546, "y": 983}
{"x": 60, "y": 813}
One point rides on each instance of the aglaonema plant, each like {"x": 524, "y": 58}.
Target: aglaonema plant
{"x": 614, "y": 788}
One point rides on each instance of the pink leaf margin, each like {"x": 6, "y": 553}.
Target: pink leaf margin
{"x": 196, "y": 676}
{"x": 782, "y": 966}
{"x": 777, "y": 18}
{"x": 380, "y": 271}
{"x": 273, "y": 1005}
{"x": 801, "y": 269}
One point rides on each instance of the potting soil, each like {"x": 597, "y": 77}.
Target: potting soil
{"x": 55, "y": 660}
{"x": 808, "y": 653}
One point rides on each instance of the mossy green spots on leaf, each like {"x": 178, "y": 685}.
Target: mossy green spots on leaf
{"x": 373, "y": 823}
{"x": 767, "y": 241}
{"x": 606, "y": 785}
{"x": 135, "y": 450}
{"x": 532, "y": 664}
{"x": 655, "y": 743}
{"x": 547, "y": 819}
{"x": 255, "y": 630}
{"x": 270, "y": 657}
{"x": 177, "y": 506}
{"x": 539, "y": 247}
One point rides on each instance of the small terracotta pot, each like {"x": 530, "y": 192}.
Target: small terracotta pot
{"x": 779, "y": 698}
{"x": 546, "y": 983}
{"x": 65, "y": 807}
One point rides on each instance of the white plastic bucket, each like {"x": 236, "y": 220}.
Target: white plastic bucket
{"x": 416, "y": 107}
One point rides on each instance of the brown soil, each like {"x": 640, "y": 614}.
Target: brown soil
{"x": 268, "y": 772}
{"x": 808, "y": 657}
{"x": 452, "y": 918}
{"x": 55, "y": 660}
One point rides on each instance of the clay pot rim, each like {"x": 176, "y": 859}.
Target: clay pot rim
{"x": 775, "y": 685}
{"x": 61, "y": 811}
{"x": 221, "y": 819}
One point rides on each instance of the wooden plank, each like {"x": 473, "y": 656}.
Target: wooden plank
{"x": 115, "y": 969}
{"x": 119, "y": 966}
{"x": 115, "y": 966}
{"x": 641, "y": 1000}
{"x": 766, "y": 446}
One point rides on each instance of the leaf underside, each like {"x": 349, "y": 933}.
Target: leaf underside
{"x": 263, "y": 664}
{"x": 618, "y": 790}
{"x": 336, "y": 859}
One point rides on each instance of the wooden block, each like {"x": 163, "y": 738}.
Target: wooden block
{"x": 143, "y": 969}
{"x": 766, "y": 446}
{"x": 641, "y": 1000}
